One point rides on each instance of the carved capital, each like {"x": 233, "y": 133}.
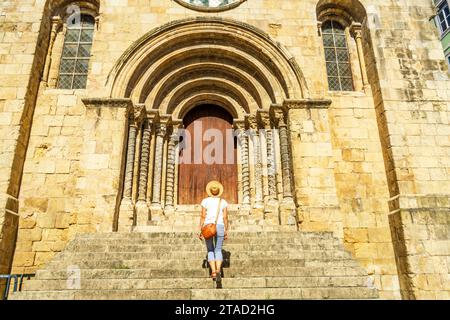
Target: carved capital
{"x": 161, "y": 130}
{"x": 239, "y": 124}
{"x": 356, "y": 30}
{"x": 264, "y": 118}
{"x": 138, "y": 114}
{"x": 279, "y": 115}
{"x": 253, "y": 122}
{"x": 56, "y": 23}
{"x": 177, "y": 131}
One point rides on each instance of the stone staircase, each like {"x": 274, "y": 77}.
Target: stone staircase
{"x": 186, "y": 218}
{"x": 158, "y": 265}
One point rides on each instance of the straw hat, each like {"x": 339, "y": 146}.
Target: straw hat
{"x": 213, "y": 185}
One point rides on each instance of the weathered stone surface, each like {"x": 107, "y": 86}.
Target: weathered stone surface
{"x": 262, "y": 266}
{"x": 345, "y": 160}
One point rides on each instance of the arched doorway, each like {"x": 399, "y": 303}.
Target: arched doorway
{"x": 208, "y": 152}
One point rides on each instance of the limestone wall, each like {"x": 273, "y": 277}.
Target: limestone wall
{"x": 351, "y": 155}
{"x": 21, "y": 56}
{"x": 412, "y": 97}
{"x": 422, "y": 245}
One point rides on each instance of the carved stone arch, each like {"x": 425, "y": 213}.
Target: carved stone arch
{"x": 215, "y": 98}
{"x": 336, "y": 14}
{"x": 194, "y": 86}
{"x": 59, "y": 7}
{"x": 244, "y": 42}
{"x": 347, "y": 11}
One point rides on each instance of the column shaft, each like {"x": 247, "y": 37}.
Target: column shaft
{"x": 258, "y": 168}
{"x": 144, "y": 163}
{"x": 128, "y": 185}
{"x": 48, "y": 60}
{"x": 271, "y": 168}
{"x": 243, "y": 139}
{"x": 285, "y": 161}
{"x": 170, "y": 176}
{"x": 158, "y": 165}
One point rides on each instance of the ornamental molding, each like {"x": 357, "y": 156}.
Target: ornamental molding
{"x": 206, "y": 8}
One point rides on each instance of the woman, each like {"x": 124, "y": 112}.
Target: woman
{"x": 211, "y": 212}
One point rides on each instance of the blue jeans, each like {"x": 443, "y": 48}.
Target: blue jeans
{"x": 214, "y": 244}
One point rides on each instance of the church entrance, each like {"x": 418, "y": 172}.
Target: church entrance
{"x": 208, "y": 152}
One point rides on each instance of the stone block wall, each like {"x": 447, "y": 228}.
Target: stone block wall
{"x": 411, "y": 96}
{"x": 72, "y": 176}
{"x": 350, "y": 158}
{"x": 22, "y": 50}
{"x": 421, "y": 240}
{"x": 362, "y": 189}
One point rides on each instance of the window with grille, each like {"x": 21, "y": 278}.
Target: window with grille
{"x": 444, "y": 16}
{"x": 74, "y": 65}
{"x": 337, "y": 57}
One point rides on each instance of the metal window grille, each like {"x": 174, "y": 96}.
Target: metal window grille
{"x": 337, "y": 57}
{"x": 76, "y": 53}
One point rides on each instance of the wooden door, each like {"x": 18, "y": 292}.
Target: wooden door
{"x": 196, "y": 171}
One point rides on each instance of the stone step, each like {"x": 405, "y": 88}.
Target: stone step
{"x": 198, "y": 283}
{"x": 194, "y": 263}
{"x": 235, "y": 222}
{"x": 204, "y": 294}
{"x": 199, "y": 272}
{"x": 201, "y": 254}
{"x": 114, "y": 246}
{"x": 183, "y": 235}
{"x": 246, "y": 226}
{"x": 171, "y": 265}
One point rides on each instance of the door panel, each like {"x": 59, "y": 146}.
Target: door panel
{"x": 194, "y": 176}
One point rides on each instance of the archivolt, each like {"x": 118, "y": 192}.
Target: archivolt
{"x": 223, "y": 57}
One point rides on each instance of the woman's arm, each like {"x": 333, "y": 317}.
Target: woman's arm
{"x": 202, "y": 221}
{"x": 225, "y": 221}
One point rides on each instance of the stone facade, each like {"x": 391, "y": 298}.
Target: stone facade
{"x": 79, "y": 161}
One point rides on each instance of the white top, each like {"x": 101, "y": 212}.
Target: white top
{"x": 210, "y": 204}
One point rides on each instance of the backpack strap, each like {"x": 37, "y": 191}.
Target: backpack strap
{"x": 218, "y": 210}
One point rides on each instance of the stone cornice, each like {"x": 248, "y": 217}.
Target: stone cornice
{"x": 307, "y": 104}
{"x": 108, "y": 102}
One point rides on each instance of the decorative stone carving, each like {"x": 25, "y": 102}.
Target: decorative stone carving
{"x": 56, "y": 23}
{"x": 245, "y": 170}
{"x": 161, "y": 131}
{"x": 281, "y": 121}
{"x": 356, "y": 31}
{"x": 171, "y": 159}
{"x": 142, "y": 210}
{"x": 271, "y": 167}
{"x": 254, "y": 133}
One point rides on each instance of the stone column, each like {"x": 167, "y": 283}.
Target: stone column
{"x": 356, "y": 31}
{"x": 171, "y": 162}
{"x": 161, "y": 130}
{"x": 142, "y": 210}
{"x": 245, "y": 170}
{"x": 127, "y": 204}
{"x": 56, "y": 22}
{"x": 271, "y": 167}
{"x": 254, "y": 132}
{"x": 285, "y": 154}
{"x": 287, "y": 207}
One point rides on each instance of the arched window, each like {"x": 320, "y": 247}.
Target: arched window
{"x": 337, "y": 57}
{"x": 76, "y": 53}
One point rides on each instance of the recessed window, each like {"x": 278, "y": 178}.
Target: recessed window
{"x": 337, "y": 57}
{"x": 443, "y": 16}
{"x": 74, "y": 65}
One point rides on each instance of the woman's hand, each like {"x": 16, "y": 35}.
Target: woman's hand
{"x": 200, "y": 236}
{"x": 226, "y": 235}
